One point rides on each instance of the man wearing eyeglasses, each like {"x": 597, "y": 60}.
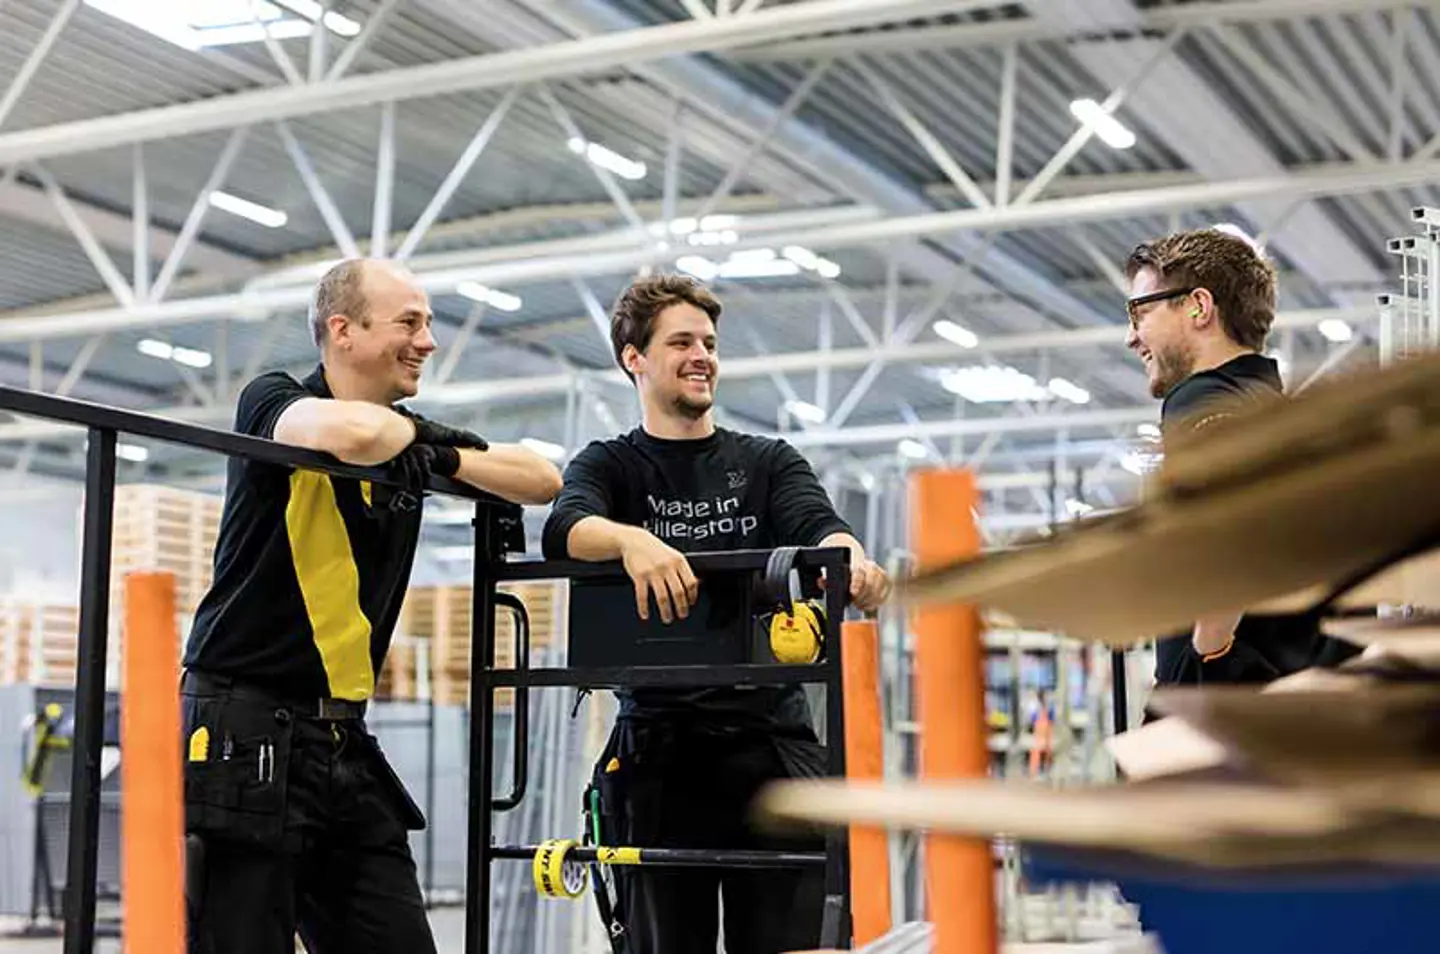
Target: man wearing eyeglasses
{"x": 1201, "y": 305}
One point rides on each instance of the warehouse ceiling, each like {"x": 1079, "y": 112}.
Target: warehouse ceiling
{"x": 920, "y": 162}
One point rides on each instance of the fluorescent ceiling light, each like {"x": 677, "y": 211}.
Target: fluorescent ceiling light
{"x": 310, "y": 10}
{"x": 1069, "y": 391}
{"x": 801, "y": 256}
{"x": 805, "y": 411}
{"x": 1150, "y": 431}
{"x": 545, "y": 449}
{"x": 1335, "y": 330}
{"x": 986, "y": 384}
{"x": 722, "y": 237}
{"x": 607, "y": 159}
{"x": 1106, "y": 126}
{"x": 490, "y": 296}
{"x": 758, "y": 268}
{"x": 912, "y": 449}
{"x": 132, "y": 452}
{"x": 197, "y": 24}
{"x": 191, "y": 357}
{"x": 955, "y": 334}
{"x": 168, "y": 352}
{"x": 748, "y": 263}
{"x": 809, "y": 261}
{"x": 697, "y": 265}
{"x": 264, "y": 215}
{"x": 155, "y": 349}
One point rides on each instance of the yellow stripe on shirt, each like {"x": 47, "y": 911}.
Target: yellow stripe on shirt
{"x": 329, "y": 584}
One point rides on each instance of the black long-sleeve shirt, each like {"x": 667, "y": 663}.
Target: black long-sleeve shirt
{"x": 728, "y": 491}
{"x": 1265, "y": 647}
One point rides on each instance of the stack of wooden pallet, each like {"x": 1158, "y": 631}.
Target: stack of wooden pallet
{"x": 160, "y": 528}
{"x": 435, "y": 622}
{"x": 38, "y": 642}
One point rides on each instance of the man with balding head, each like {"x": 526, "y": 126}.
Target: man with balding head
{"x": 294, "y": 818}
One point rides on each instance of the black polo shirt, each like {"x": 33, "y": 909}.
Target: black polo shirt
{"x": 310, "y": 569}
{"x": 1265, "y": 647}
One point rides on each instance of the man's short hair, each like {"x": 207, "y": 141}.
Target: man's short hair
{"x": 341, "y": 291}
{"x": 1240, "y": 278}
{"x": 632, "y": 320}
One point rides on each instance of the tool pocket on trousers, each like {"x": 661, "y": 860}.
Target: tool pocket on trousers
{"x": 630, "y": 780}
{"x": 411, "y": 815}
{"x": 237, "y": 762}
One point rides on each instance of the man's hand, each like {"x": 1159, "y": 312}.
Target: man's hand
{"x": 443, "y": 435}
{"x": 869, "y": 586}
{"x": 1214, "y": 634}
{"x": 869, "y": 583}
{"x": 658, "y": 568}
{"x": 413, "y": 468}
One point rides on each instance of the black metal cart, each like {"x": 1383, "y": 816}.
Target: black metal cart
{"x": 722, "y": 666}
{"x": 499, "y": 533}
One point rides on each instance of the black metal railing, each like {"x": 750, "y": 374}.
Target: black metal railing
{"x": 499, "y": 532}
{"x": 501, "y": 518}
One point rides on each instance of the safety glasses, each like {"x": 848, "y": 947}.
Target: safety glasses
{"x": 1133, "y": 305}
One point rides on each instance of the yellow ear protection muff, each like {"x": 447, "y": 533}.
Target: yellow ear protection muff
{"x": 796, "y": 625}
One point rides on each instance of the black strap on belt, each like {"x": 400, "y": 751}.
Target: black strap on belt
{"x": 322, "y": 708}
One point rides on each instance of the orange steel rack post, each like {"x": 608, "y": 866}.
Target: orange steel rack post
{"x": 869, "y": 848}
{"x": 950, "y": 690}
{"x": 152, "y": 822}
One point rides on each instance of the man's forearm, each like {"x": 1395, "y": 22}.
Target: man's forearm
{"x": 598, "y": 539}
{"x": 510, "y": 471}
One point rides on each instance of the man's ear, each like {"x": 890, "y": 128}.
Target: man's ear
{"x": 632, "y": 359}
{"x": 339, "y": 326}
{"x": 1202, "y": 308}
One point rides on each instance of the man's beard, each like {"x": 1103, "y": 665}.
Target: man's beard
{"x": 1172, "y": 365}
{"x": 691, "y": 408}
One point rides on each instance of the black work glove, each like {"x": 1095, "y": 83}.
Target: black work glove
{"x": 414, "y": 466}
{"x": 443, "y": 435}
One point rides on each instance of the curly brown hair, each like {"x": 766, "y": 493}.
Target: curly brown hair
{"x": 1240, "y": 278}
{"x": 632, "y": 320}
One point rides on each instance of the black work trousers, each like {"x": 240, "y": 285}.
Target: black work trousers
{"x": 295, "y": 824}
{"x": 668, "y": 785}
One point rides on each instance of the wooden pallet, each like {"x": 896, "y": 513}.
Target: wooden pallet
{"x": 38, "y": 642}
{"x": 161, "y": 529}
{"x": 440, "y": 617}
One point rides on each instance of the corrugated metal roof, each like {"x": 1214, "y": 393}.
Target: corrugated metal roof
{"x": 536, "y": 189}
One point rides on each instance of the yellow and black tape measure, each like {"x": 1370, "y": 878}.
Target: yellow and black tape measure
{"x": 556, "y": 874}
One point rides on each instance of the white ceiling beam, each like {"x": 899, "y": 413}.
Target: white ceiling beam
{"x": 27, "y": 203}
{"x": 1190, "y": 117}
{"x": 527, "y": 263}
{"x": 506, "y": 68}
{"x": 1024, "y": 30}
{"x": 474, "y": 393}
{"x": 32, "y": 63}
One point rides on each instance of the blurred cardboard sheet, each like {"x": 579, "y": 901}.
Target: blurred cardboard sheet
{"x": 1276, "y": 507}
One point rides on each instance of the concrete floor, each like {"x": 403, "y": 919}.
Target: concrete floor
{"x": 449, "y": 925}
